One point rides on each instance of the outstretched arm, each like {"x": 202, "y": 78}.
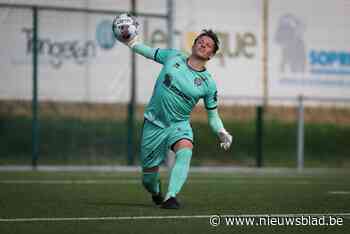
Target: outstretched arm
{"x": 125, "y": 30}
{"x": 217, "y": 127}
{"x": 141, "y": 49}
{"x": 156, "y": 54}
{"x": 121, "y": 26}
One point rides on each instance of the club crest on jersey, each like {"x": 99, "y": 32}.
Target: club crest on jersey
{"x": 198, "y": 81}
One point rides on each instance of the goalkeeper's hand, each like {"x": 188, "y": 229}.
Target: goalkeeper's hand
{"x": 125, "y": 26}
{"x": 225, "y": 139}
{"x": 132, "y": 41}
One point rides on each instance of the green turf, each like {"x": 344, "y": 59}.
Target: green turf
{"x": 113, "y": 194}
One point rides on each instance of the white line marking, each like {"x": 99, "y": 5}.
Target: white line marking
{"x": 135, "y": 181}
{"x": 339, "y": 192}
{"x": 195, "y": 169}
{"x": 346, "y": 215}
{"x": 116, "y": 181}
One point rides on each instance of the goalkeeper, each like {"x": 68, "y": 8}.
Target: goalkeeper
{"x": 181, "y": 83}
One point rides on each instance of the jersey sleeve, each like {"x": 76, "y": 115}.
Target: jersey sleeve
{"x": 144, "y": 50}
{"x": 156, "y": 54}
{"x": 162, "y": 55}
{"x": 211, "y": 98}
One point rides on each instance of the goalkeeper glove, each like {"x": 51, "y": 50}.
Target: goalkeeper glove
{"x": 225, "y": 139}
{"x": 132, "y": 42}
{"x": 125, "y": 29}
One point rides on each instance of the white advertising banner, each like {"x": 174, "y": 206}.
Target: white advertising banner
{"x": 237, "y": 66}
{"x": 80, "y": 61}
{"x": 309, "y": 50}
{"x": 78, "y": 57}
{"x": 15, "y": 79}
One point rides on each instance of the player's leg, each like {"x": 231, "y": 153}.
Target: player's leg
{"x": 152, "y": 143}
{"x": 182, "y": 147}
{"x": 179, "y": 172}
{"x": 151, "y": 182}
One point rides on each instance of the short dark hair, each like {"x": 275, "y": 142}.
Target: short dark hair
{"x": 210, "y": 33}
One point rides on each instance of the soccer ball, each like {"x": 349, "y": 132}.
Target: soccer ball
{"x": 124, "y": 27}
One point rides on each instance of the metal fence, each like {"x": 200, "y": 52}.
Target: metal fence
{"x": 51, "y": 49}
{"x": 304, "y": 131}
{"x": 54, "y": 49}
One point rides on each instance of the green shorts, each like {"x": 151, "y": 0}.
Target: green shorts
{"x": 156, "y": 141}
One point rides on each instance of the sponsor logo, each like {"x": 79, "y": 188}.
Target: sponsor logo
{"x": 168, "y": 83}
{"x": 329, "y": 62}
{"x": 104, "y": 35}
{"x": 237, "y": 45}
{"x": 176, "y": 65}
{"x": 167, "y": 80}
{"x": 56, "y": 52}
{"x": 295, "y": 58}
{"x": 289, "y": 36}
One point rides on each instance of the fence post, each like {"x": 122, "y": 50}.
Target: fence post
{"x": 35, "y": 124}
{"x": 300, "y": 135}
{"x": 265, "y": 51}
{"x": 170, "y": 22}
{"x": 259, "y": 136}
{"x": 132, "y": 103}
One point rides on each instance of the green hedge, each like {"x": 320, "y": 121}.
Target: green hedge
{"x": 74, "y": 141}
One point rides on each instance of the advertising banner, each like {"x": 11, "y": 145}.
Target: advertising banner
{"x": 309, "y": 48}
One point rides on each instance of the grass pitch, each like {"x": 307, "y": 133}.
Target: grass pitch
{"x": 115, "y": 202}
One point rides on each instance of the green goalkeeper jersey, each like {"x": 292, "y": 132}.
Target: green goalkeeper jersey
{"x": 178, "y": 87}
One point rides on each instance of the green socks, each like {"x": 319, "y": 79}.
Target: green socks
{"x": 151, "y": 181}
{"x": 178, "y": 175}
{"x": 179, "y": 172}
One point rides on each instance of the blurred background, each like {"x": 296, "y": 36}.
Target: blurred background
{"x": 72, "y": 95}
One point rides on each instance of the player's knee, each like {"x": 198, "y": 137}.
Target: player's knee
{"x": 151, "y": 169}
{"x": 181, "y": 144}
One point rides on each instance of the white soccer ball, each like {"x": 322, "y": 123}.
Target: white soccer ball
{"x": 125, "y": 27}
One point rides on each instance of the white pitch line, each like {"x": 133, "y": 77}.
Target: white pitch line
{"x": 101, "y": 218}
{"x": 134, "y": 181}
{"x": 346, "y": 215}
{"x": 339, "y": 192}
{"x": 196, "y": 169}
{"x": 131, "y": 181}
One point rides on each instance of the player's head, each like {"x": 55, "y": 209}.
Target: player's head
{"x": 205, "y": 45}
